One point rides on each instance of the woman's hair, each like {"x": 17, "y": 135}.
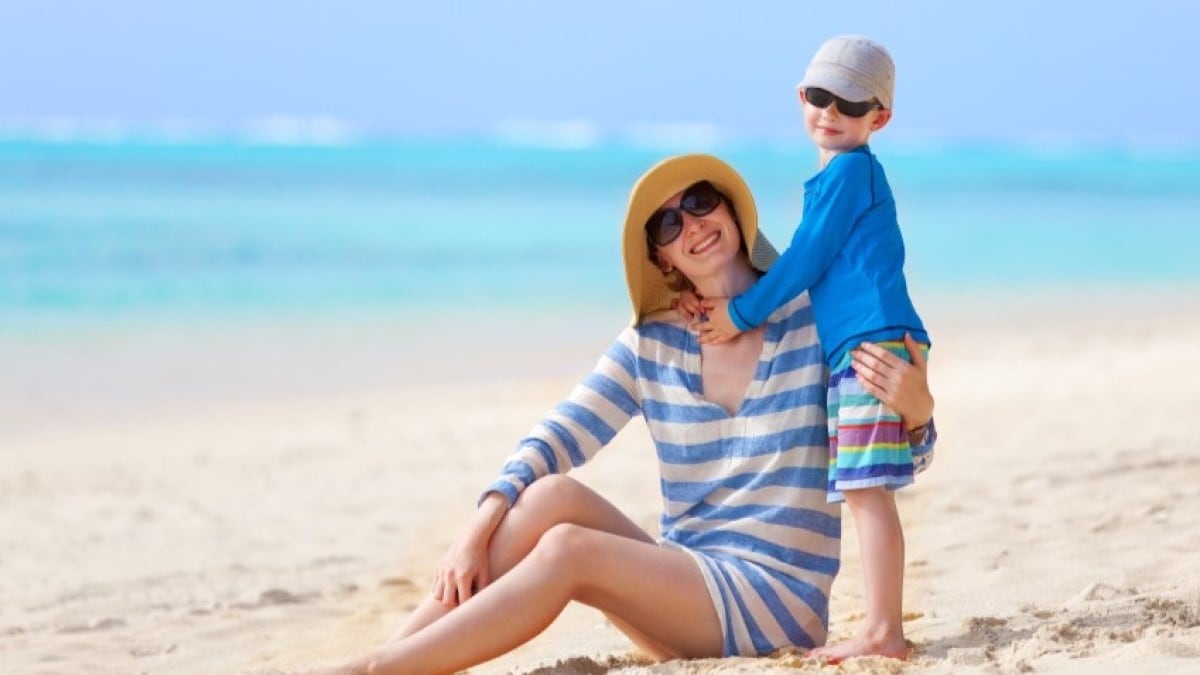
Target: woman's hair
{"x": 676, "y": 281}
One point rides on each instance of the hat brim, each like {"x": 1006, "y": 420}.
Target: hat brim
{"x": 648, "y": 290}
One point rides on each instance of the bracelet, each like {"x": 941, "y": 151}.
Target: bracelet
{"x": 919, "y": 436}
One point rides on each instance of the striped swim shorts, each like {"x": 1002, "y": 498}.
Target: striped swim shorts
{"x": 868, "y": 446}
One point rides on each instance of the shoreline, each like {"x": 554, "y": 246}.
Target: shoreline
{"x": 105, "y": 372}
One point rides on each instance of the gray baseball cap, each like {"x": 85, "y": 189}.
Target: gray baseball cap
{"x": 854, "y": 67}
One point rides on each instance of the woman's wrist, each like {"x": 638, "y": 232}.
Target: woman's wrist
{"x": 918, "y": 435}
{"x": 491, "y": 511}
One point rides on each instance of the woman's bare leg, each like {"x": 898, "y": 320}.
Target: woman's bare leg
{"x": 881, "y": 545}
{"x": 551, "y": 501}
{"x": 660, "y": 592}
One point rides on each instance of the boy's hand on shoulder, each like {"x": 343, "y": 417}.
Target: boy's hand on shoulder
{"x": 688, "y": 305}
{"x": 718, "y": 326}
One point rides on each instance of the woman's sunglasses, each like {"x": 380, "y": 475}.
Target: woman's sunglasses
{"x": 700, "y": 199}
{"x": 821, "y": 98}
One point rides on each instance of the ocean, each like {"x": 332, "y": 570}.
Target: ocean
{"x": 93, "y": 232}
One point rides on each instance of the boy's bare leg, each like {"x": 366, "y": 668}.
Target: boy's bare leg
{"x": 658, "y": 591}
{"x": 881, "y": 545}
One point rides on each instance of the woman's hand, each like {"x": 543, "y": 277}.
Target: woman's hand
{"x": 464, "y": 571}
{"x": 903, "y": 386}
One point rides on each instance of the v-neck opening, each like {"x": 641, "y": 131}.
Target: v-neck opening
{"x": 755, "y": 385}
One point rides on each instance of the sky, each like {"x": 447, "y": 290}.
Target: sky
{"x": 1103, "y": 71}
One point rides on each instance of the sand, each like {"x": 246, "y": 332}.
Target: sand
{"x": 246, "y": 501}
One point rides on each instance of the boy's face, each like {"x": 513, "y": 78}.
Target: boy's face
{"x": 834, "y": 132}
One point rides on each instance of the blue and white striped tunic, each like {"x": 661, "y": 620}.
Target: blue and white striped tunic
{"x": 743, "y": 494}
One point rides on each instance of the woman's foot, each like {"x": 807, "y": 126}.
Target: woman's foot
{"x": 892, "y": 646}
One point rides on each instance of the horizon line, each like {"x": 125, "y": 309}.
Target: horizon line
{"x": 567, "y": 135}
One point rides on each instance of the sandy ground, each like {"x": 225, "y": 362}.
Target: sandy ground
{"x": 246, "y": 501}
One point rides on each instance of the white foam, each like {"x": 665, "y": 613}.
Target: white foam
{"x": 296, "y": 130}
{"x": 572, "y": 134}
{"x": 680, "y": 135}
{"x": 270, "y": 130}
{"x": 66, "y": 129}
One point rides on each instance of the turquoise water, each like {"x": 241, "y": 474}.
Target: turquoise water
{"x": 144, "y": 229}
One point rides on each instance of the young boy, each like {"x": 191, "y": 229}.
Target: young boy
{"x": 848, "y": 254}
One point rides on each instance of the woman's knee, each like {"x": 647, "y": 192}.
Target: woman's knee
{"x": 539, "y": 508}
{"x": 550, "y": 499}
{"x": 565, "y": 546}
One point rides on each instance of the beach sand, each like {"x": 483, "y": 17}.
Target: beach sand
{"x": 251, "y": 500}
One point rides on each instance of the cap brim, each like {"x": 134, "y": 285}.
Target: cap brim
{"x": 838, "y": 81}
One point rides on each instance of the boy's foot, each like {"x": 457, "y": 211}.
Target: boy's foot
{"x": 861, "y": 645}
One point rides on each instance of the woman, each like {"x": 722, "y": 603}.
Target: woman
{"x": 749, "y": 545}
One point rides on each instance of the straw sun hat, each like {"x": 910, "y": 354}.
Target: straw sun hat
{"x": 648, "y": 288}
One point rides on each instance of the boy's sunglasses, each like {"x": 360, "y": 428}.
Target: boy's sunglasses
{"x": 822, "y": 98}
{"x": 700, "y": 199}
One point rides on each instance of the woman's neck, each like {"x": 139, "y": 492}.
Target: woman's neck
{"x": 731, "y": 281}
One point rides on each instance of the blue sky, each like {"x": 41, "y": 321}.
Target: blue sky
{"x": 1044, "y": 72}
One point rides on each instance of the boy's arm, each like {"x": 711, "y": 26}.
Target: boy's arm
{"x": 838, "y": 204}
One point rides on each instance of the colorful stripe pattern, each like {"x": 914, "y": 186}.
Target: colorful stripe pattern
{"x": 868, "y": 446}
{"x": 744, "y": 494}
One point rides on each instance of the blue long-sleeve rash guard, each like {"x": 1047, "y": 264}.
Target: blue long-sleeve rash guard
{"x": 849, "y": 254}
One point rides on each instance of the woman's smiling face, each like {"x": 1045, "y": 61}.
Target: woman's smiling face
{"x": 706, "y": 245}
